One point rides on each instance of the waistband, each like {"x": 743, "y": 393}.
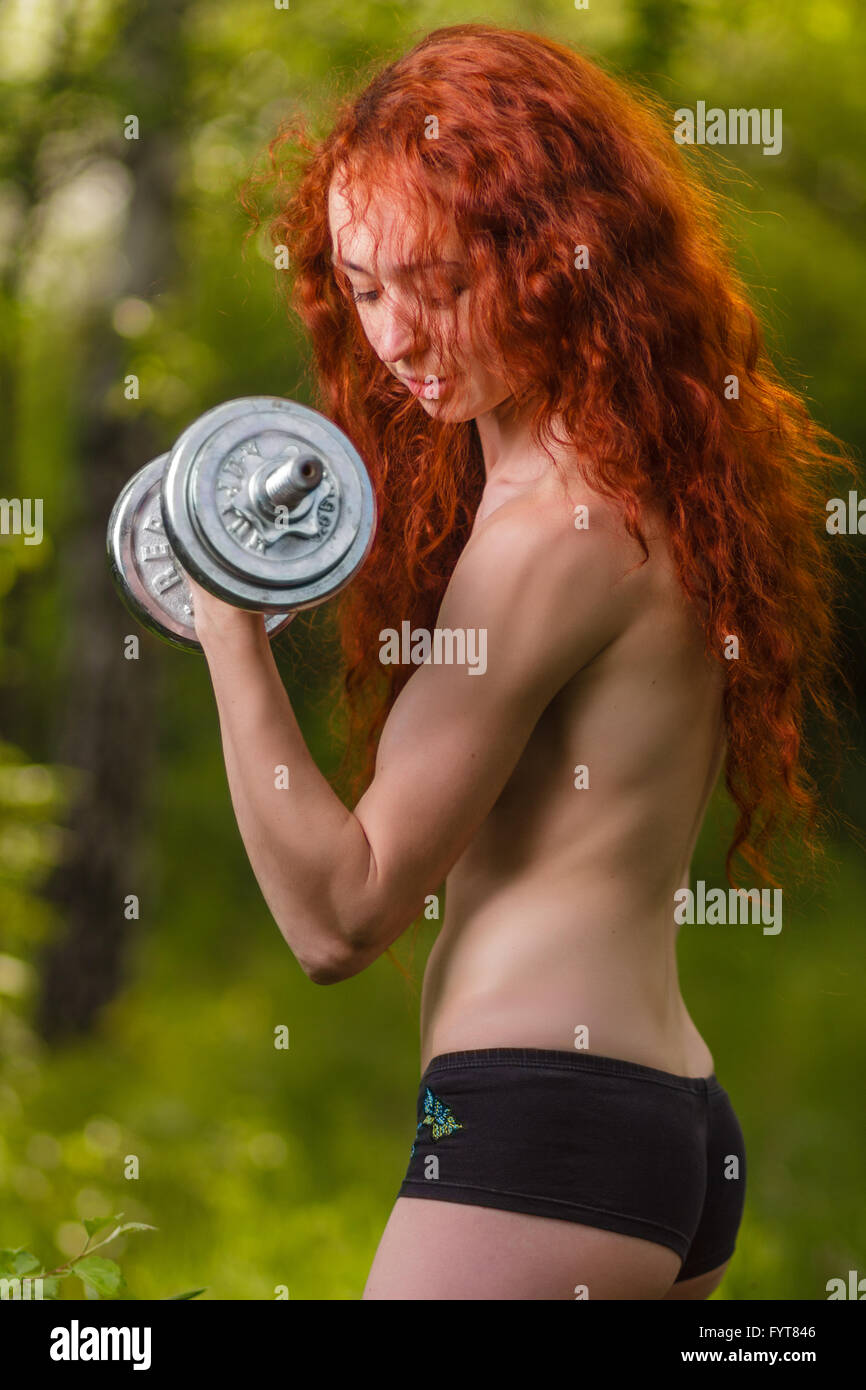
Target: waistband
{"x": 568, "y": 1061}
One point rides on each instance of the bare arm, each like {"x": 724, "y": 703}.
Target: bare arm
{"x": 343, "y": 885}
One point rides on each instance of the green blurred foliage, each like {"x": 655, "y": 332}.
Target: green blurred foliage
{"x": 261, "y": 1166}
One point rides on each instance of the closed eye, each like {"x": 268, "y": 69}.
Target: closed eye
{"x": 368, "y": 296}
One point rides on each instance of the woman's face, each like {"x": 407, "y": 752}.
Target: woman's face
{"x": 385, "y": 294}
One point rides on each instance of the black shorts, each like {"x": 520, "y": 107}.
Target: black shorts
{"x": 585, "y": 1138}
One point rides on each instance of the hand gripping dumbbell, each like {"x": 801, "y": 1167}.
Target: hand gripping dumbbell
{"x": 265, "y": 502}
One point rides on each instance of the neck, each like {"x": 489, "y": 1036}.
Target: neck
{"x": 510, "y": 455}
{"x": 504, "y": 440}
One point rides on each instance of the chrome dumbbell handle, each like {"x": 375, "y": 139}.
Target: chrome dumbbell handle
{"x": 286, "y": 485}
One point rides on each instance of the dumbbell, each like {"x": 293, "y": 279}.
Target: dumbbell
{"x": 265, "y": 502}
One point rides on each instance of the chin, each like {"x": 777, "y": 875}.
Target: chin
{"x": 450, "y": 405}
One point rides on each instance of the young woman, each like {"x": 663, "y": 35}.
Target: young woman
{"x": 521, "y": 312}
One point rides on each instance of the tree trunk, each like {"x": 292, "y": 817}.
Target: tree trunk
{"x": 110, "y": 717}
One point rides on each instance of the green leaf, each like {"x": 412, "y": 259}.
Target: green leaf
{"x": 119, "y": 1230}
{"x": 96, "y": 1223}
{"x": 102, "y": 1276}
{"x": 193, "y": 1293}
{"x": 50, "y": 1287}
{"x": 18, "y": 1261}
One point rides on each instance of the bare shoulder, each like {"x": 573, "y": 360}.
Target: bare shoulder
{"x": 550, "y": 583}
{"x": 558, "y": 537}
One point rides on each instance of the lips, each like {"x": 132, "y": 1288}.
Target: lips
{"x": 421, "y": 387}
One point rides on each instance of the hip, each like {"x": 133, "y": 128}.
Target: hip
{"x": 628, "y": 1034}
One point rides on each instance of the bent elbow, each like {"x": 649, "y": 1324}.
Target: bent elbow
{"x": 323, "y": 953}
{"x": 371, "y": 937}
{"x": 339, "y": 962}
{"x": 327, "y": 973}
{"x": 356, "y": 944}
{"x": 331, "y": 968}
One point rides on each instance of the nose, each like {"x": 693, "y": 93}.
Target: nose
{"x": 393, "y": 335}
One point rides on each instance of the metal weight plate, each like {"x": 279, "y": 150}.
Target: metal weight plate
{"x": 143, "y": 565}
{"x": 236, "y": 549}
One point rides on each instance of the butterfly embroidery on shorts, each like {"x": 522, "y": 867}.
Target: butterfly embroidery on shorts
{"x": 438, "y": 1117}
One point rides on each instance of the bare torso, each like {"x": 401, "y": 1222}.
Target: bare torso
{"x": 559, "y": 914}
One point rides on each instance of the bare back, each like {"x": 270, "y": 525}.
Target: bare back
{"x": 559, "y": 914}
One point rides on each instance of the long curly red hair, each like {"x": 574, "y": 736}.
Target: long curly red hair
{"x": 649, "y": 355}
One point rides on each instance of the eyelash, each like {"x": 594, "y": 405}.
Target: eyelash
{"x": 370, "y": 295}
